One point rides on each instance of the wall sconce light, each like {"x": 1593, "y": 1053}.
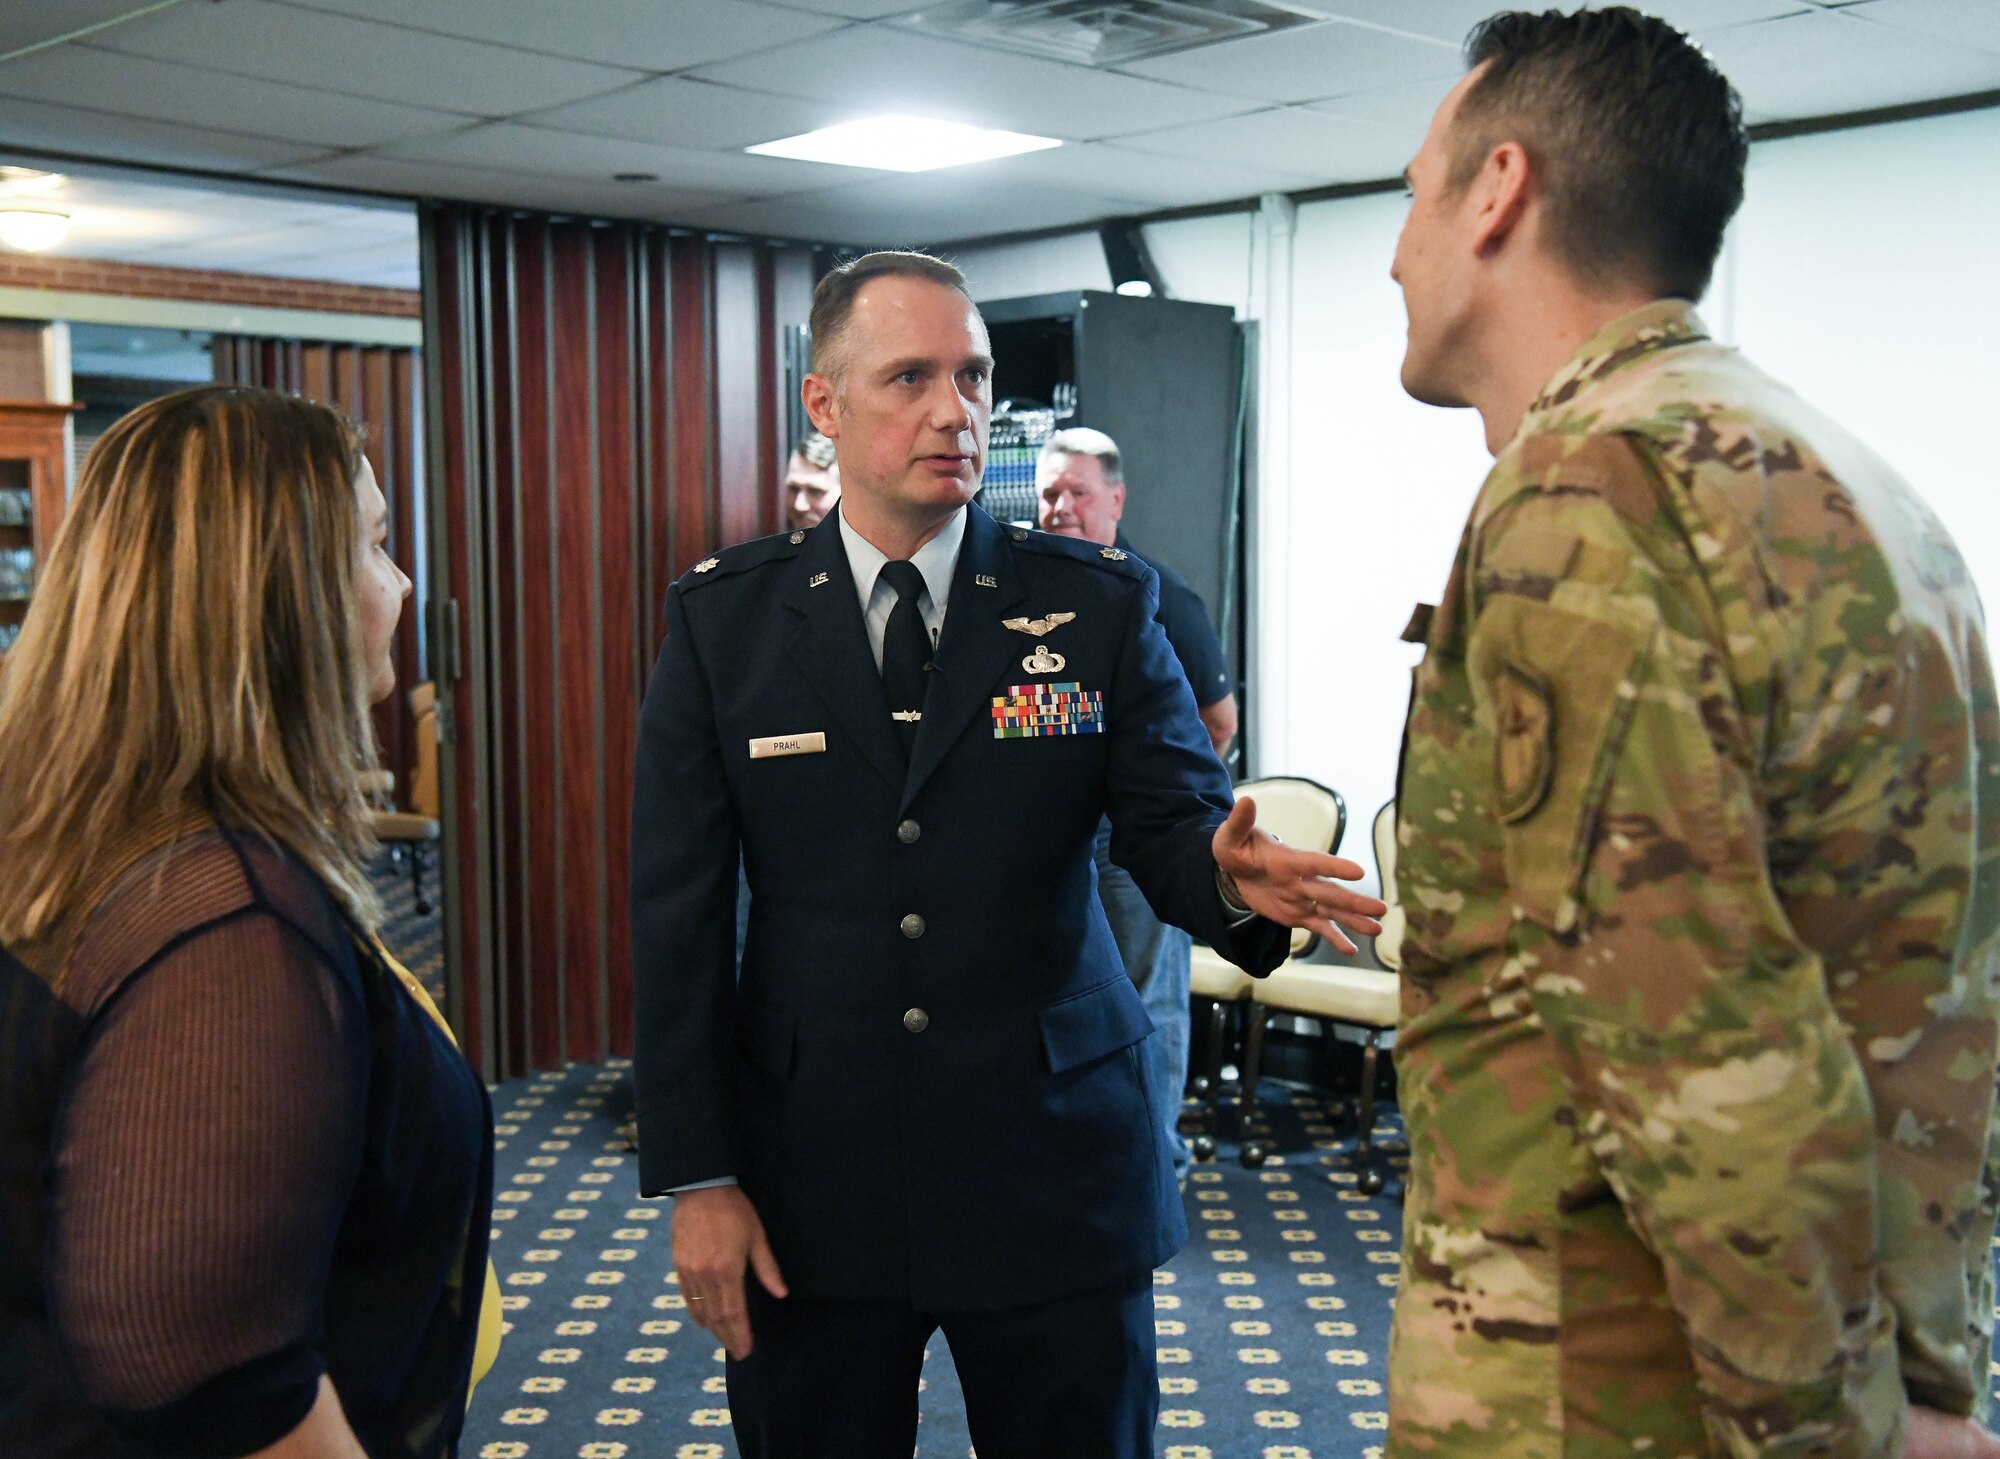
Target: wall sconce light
{"x": 32, "y": 229}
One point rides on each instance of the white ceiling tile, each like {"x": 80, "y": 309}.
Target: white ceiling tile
{"x": 1696, "y": 16}
{"x": 904, "y": 211}
{"x": 152, "y": 218}
{"x": 646, "y": 34}
{"x": 1123, "y": 180}
{"x": 1321, "y": 148}
{"x": 1307, "y": 64}
{"x": 884, "y": 70}
{"x": 680, "y": 112}
{"x": 135, "y": 139}
{"x": 1966, "y": 22}
{"x": 311, "y": 48}
{"x": 1453, "y": 20}
{"x": 402, "y": 178}
{"x": 511, "y": 147}
{"x": 852, "y": 9}
{"x": 1448, "y": 21}
{"x": 25, "y": 25}
{"x": 1407, "y": 108}
{"x": 1823, "y": 64}
{"x": 164, "y": 91}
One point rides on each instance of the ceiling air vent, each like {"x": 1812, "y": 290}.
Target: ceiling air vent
{"x": 1105, "y": 32}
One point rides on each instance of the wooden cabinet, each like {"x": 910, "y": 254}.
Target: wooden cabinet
{"x": 34, "y": 470}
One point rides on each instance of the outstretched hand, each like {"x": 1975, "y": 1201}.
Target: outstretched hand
{"x": 1934, "y": 1435}
{"x": 1296, "y": 888}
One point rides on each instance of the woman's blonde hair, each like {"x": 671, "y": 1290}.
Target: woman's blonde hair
{"x": 194, "y": 646}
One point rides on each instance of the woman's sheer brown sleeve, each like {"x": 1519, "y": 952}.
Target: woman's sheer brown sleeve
{"x": 203, "y": 1155}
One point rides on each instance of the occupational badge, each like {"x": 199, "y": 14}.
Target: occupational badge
{"x": 1041, "y": 661}
{"x": 1039, "y": 627}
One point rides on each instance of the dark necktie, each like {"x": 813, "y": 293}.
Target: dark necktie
{"x": 906, "y": 652}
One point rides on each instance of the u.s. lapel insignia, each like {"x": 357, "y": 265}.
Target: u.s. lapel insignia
{"x": 708, "y": 564}
{"x": 1041, "y": 661}
{"x": 1038, "y": 627}
{"x": 986, "y": 580}
{"x": 818, "y": 578}
{"x": 1114, "y": 554}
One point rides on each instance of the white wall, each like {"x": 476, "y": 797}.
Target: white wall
{"x": 1044, "y": 266}
{"x": 1379, "y": 490}
{"x": 1864, "y": 271}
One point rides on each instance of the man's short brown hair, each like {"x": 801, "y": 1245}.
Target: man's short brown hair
{"x": 1637, "y": 140}
{"x": 833, "y": 300}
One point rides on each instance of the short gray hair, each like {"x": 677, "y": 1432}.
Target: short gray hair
{"x": 1083, "y": 441}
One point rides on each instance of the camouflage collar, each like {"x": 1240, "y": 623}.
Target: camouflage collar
{"x": 1627, "y": 338}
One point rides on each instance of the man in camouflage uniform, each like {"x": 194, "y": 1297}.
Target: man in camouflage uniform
{"x": 1698, "y": 817}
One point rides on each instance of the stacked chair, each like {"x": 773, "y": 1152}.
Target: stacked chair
{"x": 409, "y": 833}
{"x": 1366, "y": 1000}
{"x": 1299, "y": 812}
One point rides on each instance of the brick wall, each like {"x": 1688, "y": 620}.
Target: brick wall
{"x": 203, "y": 286}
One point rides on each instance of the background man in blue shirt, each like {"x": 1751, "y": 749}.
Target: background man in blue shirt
{"x": 1081, "y": 482}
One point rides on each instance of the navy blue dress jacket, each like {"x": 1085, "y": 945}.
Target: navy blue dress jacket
{"x": 930, "y": 1079}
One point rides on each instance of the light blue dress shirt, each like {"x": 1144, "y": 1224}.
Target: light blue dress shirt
{"x": 937, "y": 560}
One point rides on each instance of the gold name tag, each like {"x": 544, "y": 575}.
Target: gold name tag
{"x": 812, "y": 744}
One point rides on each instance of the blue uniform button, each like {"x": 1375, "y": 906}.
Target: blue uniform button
{"x": 916, "y": 1020}
{"x": 908, "y": 832}
{"x": 913, "y": 926}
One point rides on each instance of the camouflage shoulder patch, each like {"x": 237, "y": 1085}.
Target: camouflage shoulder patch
{"x": 1524, "y": 736}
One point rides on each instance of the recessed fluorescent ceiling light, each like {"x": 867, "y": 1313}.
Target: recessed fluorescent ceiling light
{"x": 898, "y": 143}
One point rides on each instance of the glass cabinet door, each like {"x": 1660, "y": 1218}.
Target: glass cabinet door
{"x": 17, "y": 547}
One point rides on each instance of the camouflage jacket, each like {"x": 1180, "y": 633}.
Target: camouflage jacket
{"x": 1697, "y": 833}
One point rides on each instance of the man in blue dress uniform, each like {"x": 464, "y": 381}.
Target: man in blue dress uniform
{"x": 924, "y": 1104}
{"x": 1080, "y": 479}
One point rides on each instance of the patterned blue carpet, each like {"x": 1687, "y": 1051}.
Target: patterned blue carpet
{"x": 1272, "y": 1324}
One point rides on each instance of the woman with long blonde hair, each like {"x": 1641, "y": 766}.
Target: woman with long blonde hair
{"x": 245, "y": 1178}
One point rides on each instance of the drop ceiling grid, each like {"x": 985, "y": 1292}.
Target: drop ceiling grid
{"x": 534, "y": 105}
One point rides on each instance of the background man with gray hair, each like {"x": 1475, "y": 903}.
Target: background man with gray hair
{"x": 1080, "y": 479}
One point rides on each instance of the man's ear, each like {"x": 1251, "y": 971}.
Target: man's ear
{"x": 1500, "y": 197}
{"x": 822, "y": 403}
{"x": 1117, "y": 495}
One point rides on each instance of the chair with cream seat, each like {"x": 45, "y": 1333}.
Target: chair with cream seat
{"x": 410, "y": 832}
{"x": 1299, "y": 812}
{"x": 1367, "y": 1000}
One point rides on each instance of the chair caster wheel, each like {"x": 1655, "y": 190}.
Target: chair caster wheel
{"x": 1254, "y": 1155}
{"x": 1371, "y": 1182}
{"x": 1204, "y": 1147}
{"x": 1201, "y": 1086}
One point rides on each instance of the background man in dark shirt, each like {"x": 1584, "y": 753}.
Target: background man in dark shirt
{"x": 1081, "y": 482}
{"x": 812, "y": 481}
